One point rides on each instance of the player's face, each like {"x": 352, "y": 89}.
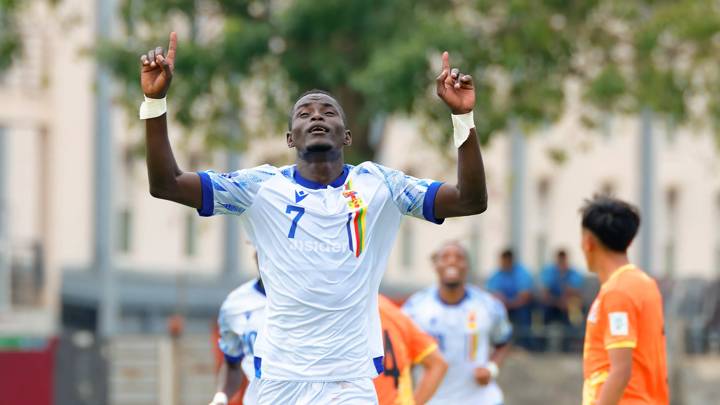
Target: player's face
{"x": 562, "y": 262}
{"x": 317, "y": 125}
{"x": 506, "y": 263}
{"x": 451, "y": 265}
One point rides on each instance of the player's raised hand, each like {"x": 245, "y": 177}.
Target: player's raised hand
{"x": 455, "y": 88}
{"x": 157, "y": 69}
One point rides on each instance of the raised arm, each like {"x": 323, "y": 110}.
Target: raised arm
{"x": 167, "y": 181}
{"x": 469, "y": 195}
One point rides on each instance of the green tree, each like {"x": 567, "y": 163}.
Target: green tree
{"x": 658, "y": 55}
{"x": 10, "y": 39}
{"x": 379, "y": 57}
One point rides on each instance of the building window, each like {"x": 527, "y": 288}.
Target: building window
{"x": 671, "y": 202}
{"x": 190, "y": 234}
{"x": 606, "y": 125}
{"x": 407, "y": 246}
{"x": 125, "y": 229}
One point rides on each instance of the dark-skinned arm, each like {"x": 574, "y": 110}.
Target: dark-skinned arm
{"x": 522, "y": 299}
{"x": 166, "y": 179}
{"x": 434, "y": 369}
{"x": 469, "y": 196}
{"x": 482, "y": 374}
{"x": 230, "y": 379}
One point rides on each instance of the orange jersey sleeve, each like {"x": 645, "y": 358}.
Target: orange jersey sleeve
{"x": 620, "y": 319}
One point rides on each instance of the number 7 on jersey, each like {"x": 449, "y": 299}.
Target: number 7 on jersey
{"x": 300, "y": 211}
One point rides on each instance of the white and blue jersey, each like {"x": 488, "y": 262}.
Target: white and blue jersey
{"x": 242, "y": 315}
{"x": 322, "y": 251}
{"x": 466, "y": 333}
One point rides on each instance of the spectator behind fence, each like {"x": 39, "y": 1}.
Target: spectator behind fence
{"x": 560, "y": 288}
{"x": 513, "y": 285}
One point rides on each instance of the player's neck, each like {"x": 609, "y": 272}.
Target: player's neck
{"x": 320, "y": 171}
{"x": 609, "y": 264}
{"x": 451, "y": 296}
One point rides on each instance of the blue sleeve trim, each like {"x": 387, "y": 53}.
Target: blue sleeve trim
{"x": 257, "y": 362}
{"x": 429, "y": 203}
{"x": 233, "y": 359}
{"x": 378, "y": 363}
{"x": 207, "y": 195}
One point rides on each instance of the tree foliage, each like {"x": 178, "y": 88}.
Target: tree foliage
{"x": 380, "y": 57}
{"x": 657, "y": 54}
{"x": 10, "y": 40}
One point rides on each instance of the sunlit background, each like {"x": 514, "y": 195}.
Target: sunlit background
{"x": 108, "y": 296}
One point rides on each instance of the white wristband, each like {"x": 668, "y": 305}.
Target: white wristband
{"x": 153, "y": 107}
{"x": 461, "y": 127}
{"x": 493, "y": 368}
{"x": 220, "y": 399}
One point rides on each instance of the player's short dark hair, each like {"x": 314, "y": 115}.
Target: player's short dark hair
{"x": 316, "y": 91}
{"x": 614, "y": 222}
{"x": 507, "y": 254}
{"x": 452, "y": 242}
{"x": 561, "y": 253}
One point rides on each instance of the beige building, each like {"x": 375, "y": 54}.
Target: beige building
{"x": 48, "y": 120}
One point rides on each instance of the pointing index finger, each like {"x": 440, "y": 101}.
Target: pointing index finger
{"x": 171, "y": 48}
{"x": 445, "y": 61}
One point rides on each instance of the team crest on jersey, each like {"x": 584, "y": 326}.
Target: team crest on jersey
{"x": 356, "y": 219}
{"x": 472, "y": 321}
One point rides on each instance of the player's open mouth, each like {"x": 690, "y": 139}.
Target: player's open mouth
{"x": 319, "y": 129}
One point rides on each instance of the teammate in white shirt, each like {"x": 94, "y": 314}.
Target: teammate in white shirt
{"x": 323, "y": 230}
{"x": 242, "y": 315}
{"x": 471, "y": 327}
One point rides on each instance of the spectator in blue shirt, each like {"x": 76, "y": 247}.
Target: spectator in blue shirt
{"x": 560, "y": 291}
{"x": 513, "y": 285}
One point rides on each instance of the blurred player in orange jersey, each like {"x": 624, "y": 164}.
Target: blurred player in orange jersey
{"x": 406, "y": 345}
{"x": 624, "y": 355}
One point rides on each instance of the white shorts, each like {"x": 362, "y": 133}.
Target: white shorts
{"x": 353, "y": 392}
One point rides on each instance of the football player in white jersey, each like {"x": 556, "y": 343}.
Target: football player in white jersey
{"x": 323, "y": 229}
{"x": 471, "y": 328}
{"x": 242, "y": 315}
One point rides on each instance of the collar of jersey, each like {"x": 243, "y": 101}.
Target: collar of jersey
{"x": 317, "y": 186}
{"x": 447, "y": 304}
{"x": 619, "y": 271}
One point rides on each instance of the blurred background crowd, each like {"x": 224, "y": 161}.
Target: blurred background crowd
{"x": 108, "y": 296}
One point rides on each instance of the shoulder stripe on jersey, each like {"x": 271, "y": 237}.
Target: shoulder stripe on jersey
{"x": 420, "y": 357}
{"x": 349, "y": 233}
{"x": 357, "y": 218}
{"x": 206, "y": 187}
{"x": 626, "y": 344}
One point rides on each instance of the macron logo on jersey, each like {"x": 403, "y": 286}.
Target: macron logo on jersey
{"x": 300, "y": 195}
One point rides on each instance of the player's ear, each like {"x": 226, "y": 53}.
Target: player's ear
{"x": 348, "y": 138}
{"x": 289, "y": 139}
